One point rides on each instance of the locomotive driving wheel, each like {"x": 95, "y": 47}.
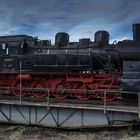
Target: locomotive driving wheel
{"x": 16, "y": 88}
{"x": 61, "y": 90}
{"x": 2, "y": 85}
{"x": 108, "y": 96}
{"x": 40, "y": 86}
{"x": 83, "y": 94}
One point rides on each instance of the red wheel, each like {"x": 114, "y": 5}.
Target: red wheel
{"x": 16, "y": 88}
{"x": 40, "y": 87}
{"x": 83, "y": 94}
{"x": 109, "y": 97}
{"x": 1, "y": 88}
{"x": 94, "y": 89}
{"x": 4, "y": 86}
{"x": 61, "y": 90}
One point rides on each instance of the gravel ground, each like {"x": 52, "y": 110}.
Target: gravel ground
{"x": 19, "y": 132}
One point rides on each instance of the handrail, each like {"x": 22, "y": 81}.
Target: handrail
{"x": 72, "y": 90}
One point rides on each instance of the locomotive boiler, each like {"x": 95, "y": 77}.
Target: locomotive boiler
{"x": 32, "y": 67}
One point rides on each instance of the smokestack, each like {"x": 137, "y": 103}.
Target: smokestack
{"x": 61, "y": 39}
{"x": 101, "y": 37}
{"x": 136, "y": 32}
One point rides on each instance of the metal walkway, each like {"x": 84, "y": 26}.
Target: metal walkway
{"x": 66, "y": 115}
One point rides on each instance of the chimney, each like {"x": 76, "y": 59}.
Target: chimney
{"x": 136, "y": 32}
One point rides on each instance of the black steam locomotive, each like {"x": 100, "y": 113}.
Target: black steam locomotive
{"x": 28, "y": 66}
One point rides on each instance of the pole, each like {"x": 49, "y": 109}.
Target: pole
{"x": 20, "y": 82}
{"x": 105, "y": 102}
{"x": 48, "y": 99}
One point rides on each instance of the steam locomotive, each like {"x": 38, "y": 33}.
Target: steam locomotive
{"x": 82, "y": 70}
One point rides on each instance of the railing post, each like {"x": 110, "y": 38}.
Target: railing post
{"x": 139, "y": 105}
{"x": 104, "y": 101}
{"x": 48, "y": 99}
{"x": 20, "y": 90}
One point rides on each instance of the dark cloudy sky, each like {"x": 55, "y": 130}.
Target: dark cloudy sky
{"x": 80, "y": 18}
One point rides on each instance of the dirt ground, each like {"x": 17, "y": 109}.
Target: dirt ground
{"x": 19, "y": 132}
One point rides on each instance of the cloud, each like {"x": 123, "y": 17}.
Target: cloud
{"x": 79, "y": 18}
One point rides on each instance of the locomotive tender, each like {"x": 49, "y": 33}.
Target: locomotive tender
{"x": 35, "y": 65}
